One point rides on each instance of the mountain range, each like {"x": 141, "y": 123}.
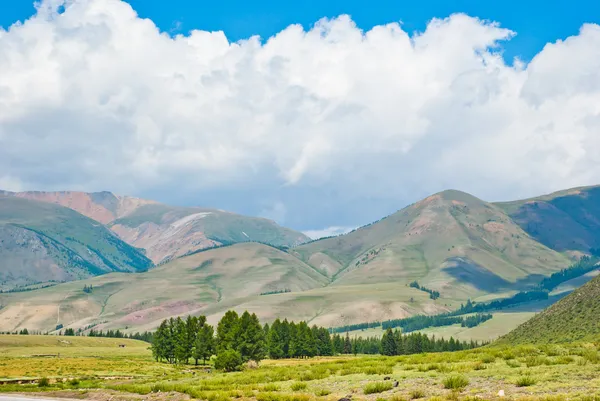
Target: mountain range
{"x": 205, "y": 261}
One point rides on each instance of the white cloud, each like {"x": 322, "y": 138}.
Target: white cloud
{"x": 328, "y": 232}
{"x": 97, "y": 98}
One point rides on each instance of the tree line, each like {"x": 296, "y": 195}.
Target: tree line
{"x": 239, "y": 339}
{"x": 583, "y": 266}
{"x": 432, "y": 293}
{"x": 395, "y": 343}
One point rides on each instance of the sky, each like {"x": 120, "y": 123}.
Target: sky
{"x": 322, "y": 115}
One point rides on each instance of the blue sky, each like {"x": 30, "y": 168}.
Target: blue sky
{"x": 323, "y": 129}
{"x": 536, "y": 22}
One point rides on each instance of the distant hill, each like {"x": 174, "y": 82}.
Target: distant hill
{"x": 40, "y": 242}
{"x": 573, "y": 318}
{"x": 167, "y": 232}
{"x": 451, "y": 241}
{"x": 566, "y": 221}
{"x": 216, "y": 279}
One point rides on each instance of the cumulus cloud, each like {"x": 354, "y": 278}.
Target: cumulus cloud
{"x": 94, "y": 97}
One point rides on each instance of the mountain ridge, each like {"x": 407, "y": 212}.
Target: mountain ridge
{"x": 167, "y": 232}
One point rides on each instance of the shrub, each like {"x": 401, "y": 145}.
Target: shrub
{"x": 512, "y": 363}
{"x": 455, "y": 382}
{"x": 44, "y": 382}
{"x": 378, "y": 387}
{"x": 229, "y": 361}
{"x": 591, "y": 356}
{"x": 297, "y": 386}
{"x": 525, "y": 381}
{"x": 416, "y": 394}
{"x": 270, "y": 387}
{"x": 74, "y": 382}
{"x": 322, "y": 392}
{"x": 487, "y": 358}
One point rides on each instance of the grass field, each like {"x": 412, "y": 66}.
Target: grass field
{"x": 98, "y": 369}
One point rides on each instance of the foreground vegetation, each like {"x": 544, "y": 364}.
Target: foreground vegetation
{"x": 97, "y": 368}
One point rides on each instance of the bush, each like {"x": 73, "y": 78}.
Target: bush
{"x": 525, "y": 381}
{"x": 455, "y": 382}
{"x": 44, "y": 382}
{"x": 378, "y": 387}
{"x": 74, "y": 382}
{"x": 322, "y": 392}
{"x": 512, "y": 363}
{"x": 297, "y": 386}
{"x": 229, "y": 361}
{"x": 270, "y": 387}
{"x": 416, "y": 394}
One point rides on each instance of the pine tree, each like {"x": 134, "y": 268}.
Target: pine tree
{"x": 182, "y": 351}
{"x": 204, "y": 346}
{"x": 347, "y": 344}
{"x": 275, "y": 340}
{"x": 251, "y": 338}
{"x": 388, "y": 343}
{"x": 228, "y": 332}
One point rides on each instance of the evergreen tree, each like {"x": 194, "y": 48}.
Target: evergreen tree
{"x": 183, "y": 350}
{"x": 204, "y": 346}
{"x": 228, "y": 332}
{"x": 251, "y": 344}
{"x": 276, "y": 340}
{"x": 388, "y": 343}
{"x": 347, "y": 345}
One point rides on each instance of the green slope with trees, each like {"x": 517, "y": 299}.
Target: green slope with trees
{"x": 573, "y": 318}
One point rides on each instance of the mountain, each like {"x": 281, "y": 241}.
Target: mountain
{"x": 42, "y": 242}
{"x": 573, "y": 318}
{"x": 217, "y": 278}
{"x": 566, "y": 220}
{"x": 167, "y": 232}
{"x": 452, "y": 242}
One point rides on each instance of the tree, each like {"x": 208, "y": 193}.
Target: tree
{"x": 182, "y": 351}
{"x": 228, "y": 332}
{"x": 251, "y": 338}
{"x": 204, "y": 347}
{"x": 388, "y": 343}
{"x": 275, "y": 340}
{"x": 69, "y": 332}
{"x": 228, "y": 360}
{"x": 159, "y": 343}
{"x": 24, "y": 332}
{"x": 347, "y": 344}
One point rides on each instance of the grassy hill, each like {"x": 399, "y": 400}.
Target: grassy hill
{"x": 566, "y": 221}
{"x": 167, "y": 232}
{"x": 451, "y": 242}
{"x": 42, "y": 242}
{"x": 573, "y": 318}
{"x": 186, "y": 285}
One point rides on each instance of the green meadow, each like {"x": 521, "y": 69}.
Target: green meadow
{"x": 101, "y": 368}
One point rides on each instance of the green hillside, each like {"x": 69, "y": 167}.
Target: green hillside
{"x": 42, "y": 242}
{"x": 451, "y": 242}
{"x": 573, "y": 318}
{"x": 566, "y": 221}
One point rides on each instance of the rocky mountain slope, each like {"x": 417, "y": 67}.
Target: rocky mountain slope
{"x": 566, "y": 221}
{"x": 40, "y": 242}
{"x": 167, "y": 232}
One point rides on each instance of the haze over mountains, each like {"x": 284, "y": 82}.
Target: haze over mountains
{"x": 451, "y": 242}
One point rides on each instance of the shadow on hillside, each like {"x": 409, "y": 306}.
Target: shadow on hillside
{"x": 466, "y": 271}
